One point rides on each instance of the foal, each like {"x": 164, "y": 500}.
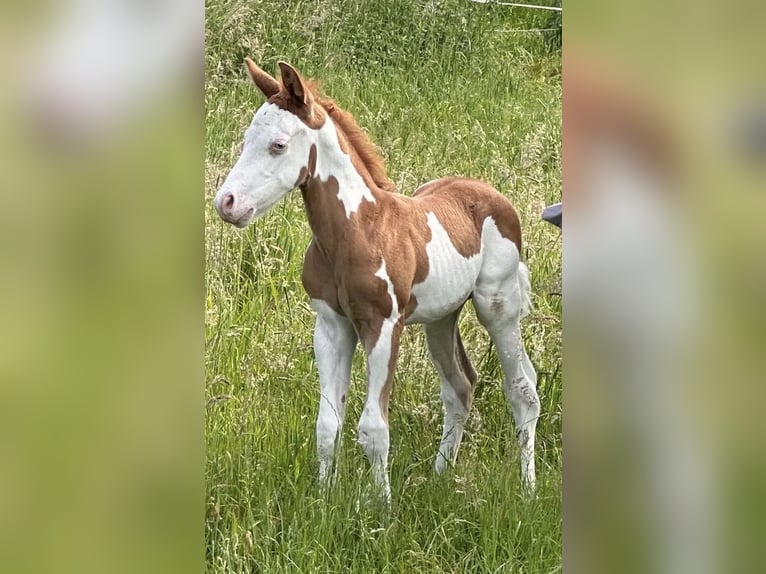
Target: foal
{"x": 379, "y": 260}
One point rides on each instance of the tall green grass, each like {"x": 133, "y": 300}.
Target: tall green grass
{"x": 443, "y": 87}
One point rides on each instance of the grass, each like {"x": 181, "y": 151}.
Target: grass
{"x": 443, "y": 87}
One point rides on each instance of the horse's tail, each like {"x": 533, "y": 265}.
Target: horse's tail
{"x": 525, "y": 287}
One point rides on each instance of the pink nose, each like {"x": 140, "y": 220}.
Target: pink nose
{"x": 227, "y": 204}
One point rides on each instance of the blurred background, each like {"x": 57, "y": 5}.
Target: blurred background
{"x": 101, "y": 313}
{"x": 664, "y": 158}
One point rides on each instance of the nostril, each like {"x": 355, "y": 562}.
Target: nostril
{"x": 227, "y": 205}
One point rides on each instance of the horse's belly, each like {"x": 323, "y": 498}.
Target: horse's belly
{"x": 450, "y": 281}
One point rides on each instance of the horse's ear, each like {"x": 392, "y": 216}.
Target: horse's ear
{"x": 294, "y": 84}
{"x": 268, "y": 85}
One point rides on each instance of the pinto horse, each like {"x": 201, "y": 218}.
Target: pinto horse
{"x": 379, "y": 261}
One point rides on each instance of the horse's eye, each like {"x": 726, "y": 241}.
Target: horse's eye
{"x": 278, "y": 147}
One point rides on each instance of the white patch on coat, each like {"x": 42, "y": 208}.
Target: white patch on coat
{"x": 501, "y": 298}
{"x": 332, "y": 161}
{"x": 373, "y": 428}
{"x": 450, "y": 280}
{"x": 499, "y": 278}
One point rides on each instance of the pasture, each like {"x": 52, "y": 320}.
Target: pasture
{"x": 443, "y": 88}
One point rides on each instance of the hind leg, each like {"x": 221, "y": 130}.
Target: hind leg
{"x": 499, "y": 301}
{"x": 457, "y": 380}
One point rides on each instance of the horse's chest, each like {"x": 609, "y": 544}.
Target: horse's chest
{"x": 451, "y": 278}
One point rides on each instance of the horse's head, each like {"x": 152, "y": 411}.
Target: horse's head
{"x": 279, "y": 150}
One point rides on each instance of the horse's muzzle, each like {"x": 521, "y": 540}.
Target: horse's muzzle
{"x": 227, "y": 208}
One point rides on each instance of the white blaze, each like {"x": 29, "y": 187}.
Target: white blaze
{"x": 261, "y": 176}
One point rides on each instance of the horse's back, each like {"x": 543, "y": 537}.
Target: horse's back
{"x": 477, "y": 199}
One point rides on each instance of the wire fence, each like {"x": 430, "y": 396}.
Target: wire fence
{"x": 518, "y": 5}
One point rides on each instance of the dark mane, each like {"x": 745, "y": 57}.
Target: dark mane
{"x": 357, "y": 138}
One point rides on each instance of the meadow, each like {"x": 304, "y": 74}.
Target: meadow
{"x": 443, "y": 88}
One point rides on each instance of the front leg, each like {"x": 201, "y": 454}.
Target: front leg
{"x": 334, "y": 343}
{"x": 381, "y": 332}
{"x": 373, "y": 424}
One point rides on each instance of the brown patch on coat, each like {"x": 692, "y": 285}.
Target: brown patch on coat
{"x": 324, "y": 210}
{"x": 311, "y": 115}
{"x": 312, "y": 165}
{"x": 308, "y": 170}
{"x": 317, "y": 277}
{"x": 342, "y": 259}
{"x": 457, "y": 196}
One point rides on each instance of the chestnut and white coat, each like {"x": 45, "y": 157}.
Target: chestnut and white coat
{"x": 379, "y": 260}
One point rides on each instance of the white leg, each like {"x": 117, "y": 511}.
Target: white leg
{"x": 382, "y": 349}
{"x": 525, "y": 404}
{"x": 334, "y": 342}
{"x": 457, "y": 379}
{"x": 501, "y": 297}
{"x": 374, "y": 439}
{"x": 520, "y": 389}
{"x": 373, "y": 424}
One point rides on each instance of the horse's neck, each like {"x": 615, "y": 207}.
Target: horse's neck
{"x": 338, "y": 194}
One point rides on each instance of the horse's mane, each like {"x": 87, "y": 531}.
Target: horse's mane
{"x": 357, "y": 138}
